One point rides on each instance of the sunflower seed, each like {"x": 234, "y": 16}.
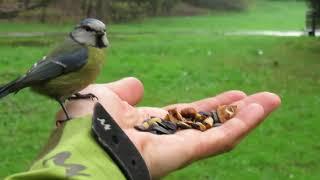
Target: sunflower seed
{"x": 207, "y": 114}
{"x": 199, "y": 117}
{"x": 217, "y": 124}
{"x": 208, "y": 122}
{"x": 199, "y": 126}
{"x": 160, "y": 130}
{"x": 143, "y": 127}
{"x": 183, "y": 125}
{"x": 176, "y": 114}
{"x": 188, "y": 118}
{"x": 168, "y": 125}
{"x": 215, "y": 117}
{"x": 188, "y": 113}
{"x": 226, "y": 112}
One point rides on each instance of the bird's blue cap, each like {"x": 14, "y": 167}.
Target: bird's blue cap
{"x": 93, "y": 23}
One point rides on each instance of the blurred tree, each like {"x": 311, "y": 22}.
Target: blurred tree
{"x": 233, "y": 5}
{"x": 160, "y": 7}
{"x": 313, "y": 17}
{"x": 87, "y": 7}
{"x": 61, "y": 10}
{"x": 11, "y": 9}
{"x": 103, "y": 9}
{"x": 26, "y": 3}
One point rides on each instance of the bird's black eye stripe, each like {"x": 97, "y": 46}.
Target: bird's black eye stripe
{"x": 87, "y": 28}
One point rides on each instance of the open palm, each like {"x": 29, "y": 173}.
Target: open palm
{"x": 166, "y": 153}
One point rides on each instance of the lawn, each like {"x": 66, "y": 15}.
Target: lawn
{"x": 181, "y": 59}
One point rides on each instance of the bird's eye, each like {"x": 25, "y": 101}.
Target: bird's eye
{"x": 87, "y": 28}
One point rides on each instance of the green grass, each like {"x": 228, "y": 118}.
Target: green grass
{"x": 182, "y": 59}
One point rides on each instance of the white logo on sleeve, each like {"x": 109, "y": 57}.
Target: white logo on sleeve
{"x": 102, "y": 122}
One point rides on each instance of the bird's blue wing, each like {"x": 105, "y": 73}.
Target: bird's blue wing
{"x": 57, "y": 64}
{"x": 68, "y": 57}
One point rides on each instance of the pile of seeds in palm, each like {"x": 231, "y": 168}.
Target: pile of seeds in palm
{"x": 187, "y": 118}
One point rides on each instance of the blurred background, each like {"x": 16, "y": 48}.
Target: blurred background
{"x": 109, "y": 10}
{"x": 182, "y": 50}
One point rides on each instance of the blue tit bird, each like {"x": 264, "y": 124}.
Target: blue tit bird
{"x": 69, "y": 68}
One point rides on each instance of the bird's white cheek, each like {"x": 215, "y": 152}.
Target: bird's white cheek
{"x": 84, "y": 37}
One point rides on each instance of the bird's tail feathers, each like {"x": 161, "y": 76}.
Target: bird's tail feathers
{"x": 13, "y": 86}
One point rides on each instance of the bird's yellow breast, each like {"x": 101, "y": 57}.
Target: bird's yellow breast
{"x": 68, "y": 84}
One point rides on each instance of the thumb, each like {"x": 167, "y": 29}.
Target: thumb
{"x": 129, "y": 89}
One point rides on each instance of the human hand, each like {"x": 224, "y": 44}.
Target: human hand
{"x": 166, "y": 153}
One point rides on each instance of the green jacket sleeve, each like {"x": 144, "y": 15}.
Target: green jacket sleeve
{"x": 72, "y": 153}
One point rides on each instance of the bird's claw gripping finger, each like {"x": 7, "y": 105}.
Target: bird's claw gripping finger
{"x": 83, "y": 96}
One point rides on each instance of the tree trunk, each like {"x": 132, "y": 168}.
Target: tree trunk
{"x": 43, "y": 16}
{"x": 100, "y": 9}
{"x": 312, "y": 32}
{"x": 90, "y": 8}
{"x": 15, "y": 12}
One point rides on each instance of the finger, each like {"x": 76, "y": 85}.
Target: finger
{"x": 227, "y": 136}
{"x": 128, "y": 89}
{"x": 221, "y": 99}
{"x": 110, "y": 101}
{"x": 266, "y": 99}
{"x": 244, "y": 122}
{"x": 213, "y": 102}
